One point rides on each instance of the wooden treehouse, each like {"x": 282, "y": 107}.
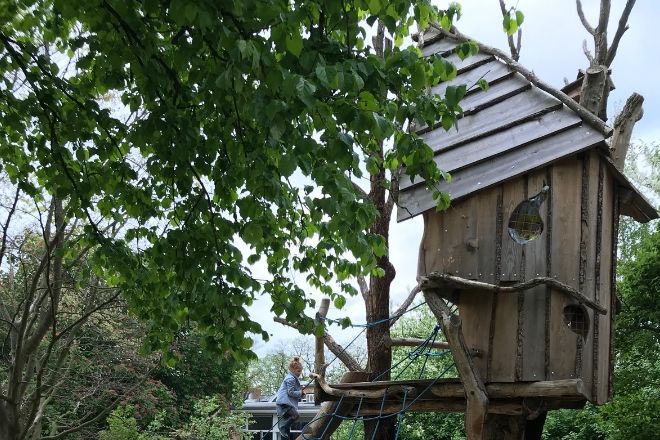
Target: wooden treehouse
{"x": 527, "y": 252}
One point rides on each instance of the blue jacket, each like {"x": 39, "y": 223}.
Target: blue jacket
{"x": 289, "y": 392}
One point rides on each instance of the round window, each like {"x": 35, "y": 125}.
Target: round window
{"x": 525, "y": 223}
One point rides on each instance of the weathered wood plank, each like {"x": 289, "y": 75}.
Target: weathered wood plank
{"x": 565, "y": 251}
{"x": 534, "y": 307}
{"x": 514, "y": 110}
{"x": 503, "y": 357}
{"x": 440, "y": 46}
{"x": 488, "y": 147}
{"x": 503, "y": 167}
{"x": 475, "y": 307}
{"x": 512, "y": 195}
{"x": 432, "y": 246}
{"x": 587, "y": 277}
{"x": 469, "y": 62}
{"x": 604, "y": 323}
{"x": 486, "y": 211}
{"x": 492, "y": 72}
{"x": 480, "y": 100}
{"x": 460, "y": 229}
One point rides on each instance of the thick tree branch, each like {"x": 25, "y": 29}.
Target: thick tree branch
{"x": 442, "y": 281}
{"x": 5, "y": 227}
{"x": 364, "y": 287}
{"x": 398, "y": 313}
{"x": 623, "y": 128}
{"x": 589, "y": 117}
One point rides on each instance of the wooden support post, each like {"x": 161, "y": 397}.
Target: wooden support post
{"x": 319, "y": 356}
{"x": 475, "y": 392}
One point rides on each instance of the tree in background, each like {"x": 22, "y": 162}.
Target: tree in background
{"x": 54, "y": 307}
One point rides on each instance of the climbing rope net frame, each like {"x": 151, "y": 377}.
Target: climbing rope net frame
{"x": 421, "y": 353}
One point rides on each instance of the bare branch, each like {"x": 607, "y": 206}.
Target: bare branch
{"x": 364, "y": 288}
{"x": 604, "y": 16}
{"x": 587, "y": 52}
{"x": 404, "y": 305}
{"x": 621, "y": 29}
{"x": 583, "y": 19}
{"x": 5, "y": 227}
{"x": 332, "y": 345}
{"x": 515, "y": 51}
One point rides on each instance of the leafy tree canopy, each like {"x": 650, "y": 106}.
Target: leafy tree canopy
{"x": 224, "y": 106}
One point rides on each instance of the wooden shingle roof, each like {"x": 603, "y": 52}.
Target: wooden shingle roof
{"x": 506, "y": 131}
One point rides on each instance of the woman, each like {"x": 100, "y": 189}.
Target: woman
{"x": 287, "y": 398}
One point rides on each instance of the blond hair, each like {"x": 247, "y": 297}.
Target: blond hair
{"x": 295, "y": 364}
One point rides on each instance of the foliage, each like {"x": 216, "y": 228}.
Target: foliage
{"x": 420, "y": 324}
{"x": 569, "y": 424}
{"x": 213, "y": 421}
{"x": 123, "y": 426}
{"x": 240, "y": 127}
{"x": 197, "y": 373}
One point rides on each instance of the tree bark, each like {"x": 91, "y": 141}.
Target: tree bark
{"x": 377, "y": 299}
{"x": 623, "y": 129}
{"x": 595, "y": 89}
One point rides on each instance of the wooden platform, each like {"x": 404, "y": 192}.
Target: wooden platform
{"x": 449, "y": 395}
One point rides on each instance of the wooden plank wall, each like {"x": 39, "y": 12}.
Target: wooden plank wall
{"x": 524, "y": 337}
{"x": 566, "y": 195}
{"x": 603, "y": 291}
{"x": 533, "y": 308}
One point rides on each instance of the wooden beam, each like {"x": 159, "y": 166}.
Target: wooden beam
{"x": 453, "y": 389}
{"x": 443, "y": 281}
{"x": 319, "y": 355}
{"x": 414, "y": 342}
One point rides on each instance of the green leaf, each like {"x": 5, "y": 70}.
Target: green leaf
{"x": 483, "y": 84}
{"x": 294, "y": 44}
{"x": 520, "y": 17}
{"x": 339, "y": 301}
{"x": 418, "y": 77}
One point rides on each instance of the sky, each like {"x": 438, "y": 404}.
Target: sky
{"x": 551, "y": 47}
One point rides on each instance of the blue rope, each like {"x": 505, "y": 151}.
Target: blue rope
{"x": 424, "y": 349}
{"x": 400, "y": 417}
{"x": 375, "y": 323}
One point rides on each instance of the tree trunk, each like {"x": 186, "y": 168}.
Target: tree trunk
{"x": 379, "y": 353}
